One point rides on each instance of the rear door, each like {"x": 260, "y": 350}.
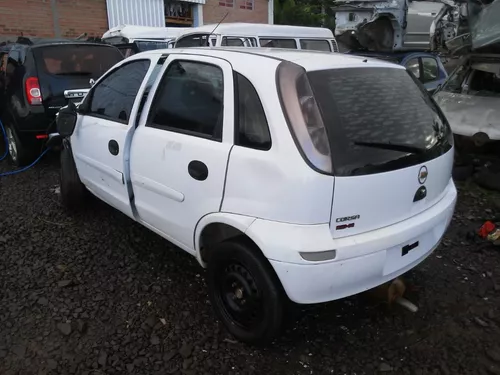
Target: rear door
{"x": 391, "y": 149}
{"x": 106, "y": 124}
{"x": 69, "y": 66}
{"x": 180, "y": 150}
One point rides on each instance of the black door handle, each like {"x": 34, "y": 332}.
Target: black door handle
{"x": 198, "y": 170}
{"x": 113, "y": 147}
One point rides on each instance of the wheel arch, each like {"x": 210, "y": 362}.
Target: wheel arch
{"x": 217, "y": 227}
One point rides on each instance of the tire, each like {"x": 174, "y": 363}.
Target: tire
{"x": 245, "y": 292}
{"x": 20, "y": 154}
{"x": 73, "y": 192}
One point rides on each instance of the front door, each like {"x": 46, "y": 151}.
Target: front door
{"x": 180, "y": 150}
{"x": 105, "y": 126}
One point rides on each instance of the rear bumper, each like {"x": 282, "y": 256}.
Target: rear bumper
{"x": 362, "y": 261}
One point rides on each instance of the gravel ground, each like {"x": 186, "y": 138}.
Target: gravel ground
{"x": 99, "y": 294}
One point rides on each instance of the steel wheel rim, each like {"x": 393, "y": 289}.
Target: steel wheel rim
{"x": 238, "y": 296}
{"x": 12, "y": 144}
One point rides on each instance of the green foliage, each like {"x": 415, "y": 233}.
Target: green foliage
{"x": 302, "y": 13}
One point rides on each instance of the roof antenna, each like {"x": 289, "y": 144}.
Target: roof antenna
{"x": 215, "y": 28}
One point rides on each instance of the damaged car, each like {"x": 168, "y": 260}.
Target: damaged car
{"x": 470, "y": 98}
{"x": 453, "y": 27}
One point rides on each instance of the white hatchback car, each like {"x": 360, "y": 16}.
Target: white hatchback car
{"x": 288, "y": 174}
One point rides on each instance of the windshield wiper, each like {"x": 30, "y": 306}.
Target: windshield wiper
{"x": 393, "y": 147}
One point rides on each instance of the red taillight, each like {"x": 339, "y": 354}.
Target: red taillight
{"x": 42, "y": 136}
{"x": 33, "y": 92}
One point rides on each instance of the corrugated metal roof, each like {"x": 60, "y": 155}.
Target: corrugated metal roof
{"x": 136, "y": 12}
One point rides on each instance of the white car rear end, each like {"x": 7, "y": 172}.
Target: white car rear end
{"x": 370, "y": 152}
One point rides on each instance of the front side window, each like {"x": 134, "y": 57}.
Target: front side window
{"x": 114, "y": 96}
{"x": 413, "y": 67}
{"x": 252, "y": 128}
{"x": 315, "y": 45}
{"x": 430, "y": 69}
{"x": 190, "y": 100}
{"x": 278, "y": 43}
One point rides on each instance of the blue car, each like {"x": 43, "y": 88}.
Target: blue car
{"x": 427, "y": 67}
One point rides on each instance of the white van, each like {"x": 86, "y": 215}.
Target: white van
{"x": 259, "y": 35}
{"x": 131, "y": 39}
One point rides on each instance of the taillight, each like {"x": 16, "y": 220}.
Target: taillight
{"x": 33, "y": 92}
{"x": 303, "y": 115}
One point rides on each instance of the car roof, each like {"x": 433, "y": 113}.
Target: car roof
{"x": 261, "y": 30}
{"x": 143, "y": 32}
{"x": 396, "y": 55}
{"x": 39, "y": 42}
{"x": 310, "y": 60}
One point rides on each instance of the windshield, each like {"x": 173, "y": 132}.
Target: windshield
{"x": 456, "y": 80}
{"x": 378, "y": 119}
{"x": 76, "y": 59}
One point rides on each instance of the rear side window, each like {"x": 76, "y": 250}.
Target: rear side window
{"x": 234, "y": 41}
{"x": 377, "y": 118}
{"x": 192, "y": 41}
{"x": 252, "y": 129}
{"x": 90, "y": 61}
{"x": 114, "y": 96}
{"x": 278, "y": 43}
{"x": 190, "y": 100}
{"x": 315, "y": 45}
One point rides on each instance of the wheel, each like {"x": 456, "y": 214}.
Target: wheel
{"x": 73, "y": 192}
{"x": 245, "y": 292}
{"x": 20, "y": 154}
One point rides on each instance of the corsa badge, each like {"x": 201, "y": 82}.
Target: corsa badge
{"x": 422, "y": 175}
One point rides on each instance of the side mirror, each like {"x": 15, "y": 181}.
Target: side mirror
{"x": 66, "y": 120}
{"x": 92, "y": 82}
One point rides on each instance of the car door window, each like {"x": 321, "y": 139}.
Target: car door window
{"x": 414, "y": 67}
{"x": 190, "y": 100}
{"x": 114, "y": 97}
{"x": 430, "y": 69}
{"x": 252, "y": 129}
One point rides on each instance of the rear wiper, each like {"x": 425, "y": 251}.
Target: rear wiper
{"x": 74, "y": 74}
{"x": 392, "y": 146}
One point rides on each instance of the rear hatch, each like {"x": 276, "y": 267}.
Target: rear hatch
{"x": 70, "y": 66}
{"x": 391, "y": 147}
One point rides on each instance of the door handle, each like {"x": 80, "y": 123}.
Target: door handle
{"x": 198, "y": 170}
{"x": 113, "y": 147}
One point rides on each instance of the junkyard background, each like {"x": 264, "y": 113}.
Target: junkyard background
{"x": 97, "y": 293}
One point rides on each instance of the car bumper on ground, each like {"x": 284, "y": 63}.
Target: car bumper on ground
{"x": 361, "y": 261}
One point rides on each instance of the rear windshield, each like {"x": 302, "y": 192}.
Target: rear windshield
{"x": 81, "y": 60}
{"x": 150, "y": 45}
{"x": 371, "y": 111}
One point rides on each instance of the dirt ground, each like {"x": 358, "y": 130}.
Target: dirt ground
{"x": 99, "y": 294}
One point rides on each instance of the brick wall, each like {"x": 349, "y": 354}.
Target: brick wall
{"x": 213, "y": 11}
{"x": 35, "y": 18}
